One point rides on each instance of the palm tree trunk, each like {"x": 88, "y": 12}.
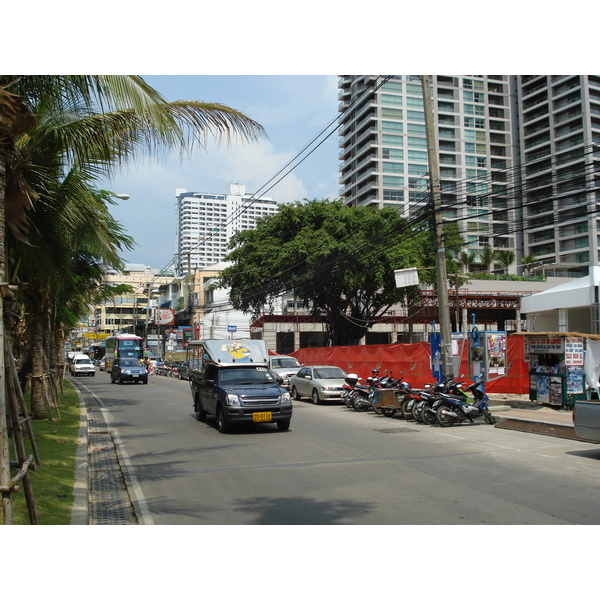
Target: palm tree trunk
{"x": 4, "y": 447}
{"x": 38, "y": 399}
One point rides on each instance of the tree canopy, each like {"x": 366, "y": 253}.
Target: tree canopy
{"x": 339, "y": 260}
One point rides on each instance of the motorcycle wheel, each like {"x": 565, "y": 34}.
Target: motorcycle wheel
{"x": 489, "y": 418}
{"x": 406, "y": 413}
{"x": 417, "y": 411}
{"x": 388, "y": 412}
{"x": 442, "y": 419}
{"x": 360, "y": 407}
{"x": 428, "y": 416}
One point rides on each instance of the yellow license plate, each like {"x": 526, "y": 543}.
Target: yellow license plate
{"x": 262, "y": 416}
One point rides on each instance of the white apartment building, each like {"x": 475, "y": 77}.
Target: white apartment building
{"x": 518, "y": 162}
{"x": 204, "y": 224}
{"x": 384, "y": 149}
{"x": 560, "y": 131}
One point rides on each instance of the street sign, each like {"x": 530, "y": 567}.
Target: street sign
{"x": 231, "y": 328}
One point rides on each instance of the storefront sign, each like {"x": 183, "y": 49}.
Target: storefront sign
{"x": 546, "y": 345}
{"x": 574, "y": 352}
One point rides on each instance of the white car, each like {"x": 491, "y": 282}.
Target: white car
{"x": 81, "y": 364}
{"x": 319, "y": 383}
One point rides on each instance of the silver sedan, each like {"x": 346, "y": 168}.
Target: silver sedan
{"x": 321, "y": 383}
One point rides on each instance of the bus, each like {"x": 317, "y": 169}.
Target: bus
{"x": 123, "y": 345}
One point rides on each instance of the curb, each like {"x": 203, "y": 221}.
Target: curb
{"x": 540, "y": 427}
{"x": 79, "y": 512}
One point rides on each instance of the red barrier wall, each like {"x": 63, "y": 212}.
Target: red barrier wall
{"x": 414, "y": 361}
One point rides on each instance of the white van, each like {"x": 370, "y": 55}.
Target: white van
{"x": 81, "y": 364}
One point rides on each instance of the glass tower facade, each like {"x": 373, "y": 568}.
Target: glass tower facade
{"x": 518, "y": 165}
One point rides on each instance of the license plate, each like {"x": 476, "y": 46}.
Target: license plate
{"x": 136, "y": 375}
{"x": 262, "y": 416}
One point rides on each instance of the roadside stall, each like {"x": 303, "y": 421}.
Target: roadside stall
{"x": 556, "y": 367}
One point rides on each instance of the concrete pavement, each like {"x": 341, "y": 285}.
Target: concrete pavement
{"x": 105, "y": 485}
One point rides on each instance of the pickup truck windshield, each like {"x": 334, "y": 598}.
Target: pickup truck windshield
{"x": 246, "y": 376}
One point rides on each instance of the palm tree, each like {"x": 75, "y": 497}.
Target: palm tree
{"x": 505, "y": 258}
{"x": 83, "y": 127}
{"x": 487, "y": 256}
{"x": 466, "y": 260}
{"x": 527, "y": 262}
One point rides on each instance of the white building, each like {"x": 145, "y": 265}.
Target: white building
{"x": 518, "y": 157}
{"x": 204, "y": 223}
{"x": 384, "y": 149}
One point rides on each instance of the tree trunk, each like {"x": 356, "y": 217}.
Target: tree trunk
{"x": 38, "y": 403}
{"x": 4, "y": 446}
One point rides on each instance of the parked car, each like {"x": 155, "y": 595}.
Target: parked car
{"x": 102, "y": 363}
{"x": 284, "y": 367}
{"x": 321, "y": 383}
{"x": 128, "y": 369}
{"x": 81, "y": 364}
{"x": 183, "y": 371}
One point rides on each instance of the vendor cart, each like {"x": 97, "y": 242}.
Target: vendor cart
{"x": 387, "y": 400}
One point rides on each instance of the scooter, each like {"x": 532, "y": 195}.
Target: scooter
{"x": 452, "y": 409}
{"x": 440, "y": 392}
{"x": 349, "y": 391}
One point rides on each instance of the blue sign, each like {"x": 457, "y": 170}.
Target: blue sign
{"x": 231, "y": 328}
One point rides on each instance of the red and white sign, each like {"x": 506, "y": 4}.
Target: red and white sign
{"x": 164, "y": 316}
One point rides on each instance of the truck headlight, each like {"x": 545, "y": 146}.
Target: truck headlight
{"x": 285, "y": 398}
{"x": 233, "y": 400}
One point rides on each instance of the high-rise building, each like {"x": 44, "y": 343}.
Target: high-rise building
{"x": 384, "y": 149}
{"x": 517, "y": 165}
{"x": 560, "y": 125}
{"x": 204, "y": 223}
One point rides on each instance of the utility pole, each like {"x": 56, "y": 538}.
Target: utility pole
{"x": 440, "y": 251}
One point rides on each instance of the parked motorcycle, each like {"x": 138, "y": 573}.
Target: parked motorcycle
{"x": 410, "y": 400}
{"x": 438, "y": 394}
{"x": 452, "y": 409}
{"x": 349, "y": 393}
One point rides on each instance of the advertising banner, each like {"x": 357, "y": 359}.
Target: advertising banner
{"x": 164, "y": 316}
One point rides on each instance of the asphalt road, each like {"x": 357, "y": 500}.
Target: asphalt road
{"x": 335, "y": 467}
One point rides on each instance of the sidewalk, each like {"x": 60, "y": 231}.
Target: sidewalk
{"x": 517, "y": 412}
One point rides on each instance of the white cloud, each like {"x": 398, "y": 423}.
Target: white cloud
{"x": 257, "y": 166}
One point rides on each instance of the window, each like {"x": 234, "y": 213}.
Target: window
{"x": 392, "y": 167}
{"x": 417, "y": 184}
{"x": 414, "y": 102}
{"x": 391, "y": 113}
{"x": 392, "y": 140}
{"x": 392, "y": 153}
{"x": 473, "y": 97}
{"x": 393, "y": 195}
{"x": 417, "y": 170}
{"x": 414, "y": 142}
{"x": 416, "y": 129}
{"x": 412, "y": 88}
{"x": 391, "y": 126}
{"x": 414, "y": 115}
{"x": 391, "y": 100}
{"x": 474, "y": 109}
{"x": 417, "y": 156}
{"x": 391, "y": 181}
{"x": 392, "y": 86}
{"x": 446, "y": 106}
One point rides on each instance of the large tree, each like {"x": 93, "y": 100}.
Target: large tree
{"x": 338, "y": 259}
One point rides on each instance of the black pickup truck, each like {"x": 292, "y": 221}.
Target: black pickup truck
{"x": 231, "y": 381}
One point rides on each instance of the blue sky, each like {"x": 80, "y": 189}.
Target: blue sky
{"x": 292, "y": 108}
